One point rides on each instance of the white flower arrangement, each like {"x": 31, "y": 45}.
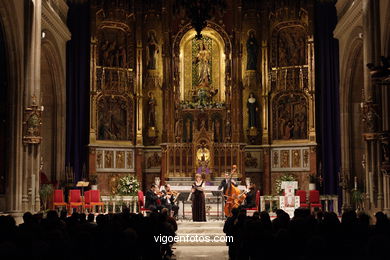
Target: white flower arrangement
{"x": 128, "y": 185}
{"x": 278, "y": 182}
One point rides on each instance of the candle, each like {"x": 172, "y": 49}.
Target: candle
{"x": 355, "y": 182}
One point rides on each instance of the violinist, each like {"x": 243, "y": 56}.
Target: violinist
{"x": 169, "y": 199}
{"x": 152, "y": 198}
{"x": 225, "y": 183}
{"x": 250, "y": 200}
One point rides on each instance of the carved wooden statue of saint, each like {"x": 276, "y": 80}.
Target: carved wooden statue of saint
{"x": 151, "y": 110}
{"x": 252, "y": 51}
{"x": 152, "y": 51}
{"x": 253, "y": 108}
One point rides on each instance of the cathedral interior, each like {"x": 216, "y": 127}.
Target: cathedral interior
{"x": 285, "y": 90}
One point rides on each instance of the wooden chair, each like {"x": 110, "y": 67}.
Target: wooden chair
{"x": 314, "y": 199}
{"x": 87, "y": 199}
{"x": 94, "y": 200}
{"x": 302, "y": 198}
{"x": 58, "y": 199}
{"x": 141, "y": 202}
{"x": 75, "y": 200}
{"x": 250, "y": 211}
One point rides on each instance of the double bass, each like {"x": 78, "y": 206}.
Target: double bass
{"x": 234, "y": 198}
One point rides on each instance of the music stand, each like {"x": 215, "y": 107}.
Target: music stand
{"x": 183, "y": 196}
{"x": 82, "y": 184}
{"x": 217, "y": 194}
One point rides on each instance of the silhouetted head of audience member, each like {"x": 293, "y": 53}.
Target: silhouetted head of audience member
{"x": 28, "y": 218}
{"x": 91, "y": 218}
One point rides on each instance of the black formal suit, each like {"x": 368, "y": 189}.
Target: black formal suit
{"x": 250, "y": 200}
{"x": 151, "y": 200}
{"x": 225, "y": 183}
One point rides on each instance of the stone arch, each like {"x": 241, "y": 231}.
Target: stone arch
{"x": 54, "y": 102}
{"x": 13, "y": 45}
{"x": 222, "y": 39}
{"x": 386, "y": 33}
{"x": 351, "y": 96}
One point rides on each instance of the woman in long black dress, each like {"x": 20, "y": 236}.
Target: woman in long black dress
{"x": 198, "y": 199}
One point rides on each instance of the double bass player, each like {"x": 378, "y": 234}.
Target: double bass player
{"x": 225, "y": 183}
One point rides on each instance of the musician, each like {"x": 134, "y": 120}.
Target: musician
{"x": 225, "y": 183}
{"x": 250, "y": 200}
{"x": 153, "y": 198}
{"x": 169, "y": 199}
{"x": 198, "y": 199}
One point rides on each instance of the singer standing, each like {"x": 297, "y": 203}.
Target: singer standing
{"x": 198, "y": 199}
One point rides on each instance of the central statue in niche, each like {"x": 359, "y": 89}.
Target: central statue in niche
{"x": 202, "y": 68}
{"x": 201, "y": 72}
{"x": 203, "y": 60}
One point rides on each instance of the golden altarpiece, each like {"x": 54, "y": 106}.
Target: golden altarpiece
{"x": 166, "y": 103}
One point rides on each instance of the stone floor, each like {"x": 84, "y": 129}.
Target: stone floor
{"x": 201, "y": 250}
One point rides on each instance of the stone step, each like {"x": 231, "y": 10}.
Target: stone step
{"x": 201, "y": 252}
{"x": 198, "y": 230}
{"x": 200, "y": 224}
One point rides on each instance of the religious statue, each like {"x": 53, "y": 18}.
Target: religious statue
{"x": 228, "y": 131}
{"x": 203, "y": 62}
{"x": 103, "y": 49}
{"x": 151, "y": 110}
{"x": 122, "y": 57}
{"x": 252, "y": 51}
{"x": 252, "y": 106}
{"x": 288, "y": 130}
{"x": 178, "y": 129}
{"x": 217, "y": 129}
{"x": 152, "y": 50}
{"x": 108, "y": 55}
{"x": 188, "y": 130}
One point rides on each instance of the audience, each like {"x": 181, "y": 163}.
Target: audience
{"x": 317, "y": 235}
{"x": 126, "y": 235}
{"x": 320, "y": 235}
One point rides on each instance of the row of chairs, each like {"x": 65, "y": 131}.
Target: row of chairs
{"x": 314, "y": 199}
{"x": 91, "y": 200}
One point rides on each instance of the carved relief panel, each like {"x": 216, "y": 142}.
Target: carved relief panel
{"x": 291, "y": 76}
{"x": 289, "y": 113}
{"x": 112, "y": 80}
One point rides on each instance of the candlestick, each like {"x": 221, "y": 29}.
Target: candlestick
{"x": 355, "y": 182}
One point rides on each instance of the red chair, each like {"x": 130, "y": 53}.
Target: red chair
{"x": 141, "y": 202}
{"x": 95, "y": 200}
{"x": 75, "y": 200}
{"x": 314, "y": 199}
{"x": 87, "y": 199}
{"x": 257, "y": 202}
{"x": 58, "y": 199}
{"x": 302, "y": 198}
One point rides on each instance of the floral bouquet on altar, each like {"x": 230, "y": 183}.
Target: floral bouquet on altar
{"x": 127, "y": 186}
{"x": 278, "y": 182}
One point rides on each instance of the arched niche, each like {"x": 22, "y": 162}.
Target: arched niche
{"x": 351, "y": 97}
{"x": 4, "y": 111}
{"x": 188, "y": 68}
{"x": 53, "y": 100}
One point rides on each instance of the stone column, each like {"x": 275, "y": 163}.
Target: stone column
{"x": 236, "y": 97}
{"x": 139, "y": 73}
{"x": 32, "y": 101}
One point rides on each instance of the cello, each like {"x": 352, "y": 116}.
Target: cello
{"x": 233, "y": 198}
